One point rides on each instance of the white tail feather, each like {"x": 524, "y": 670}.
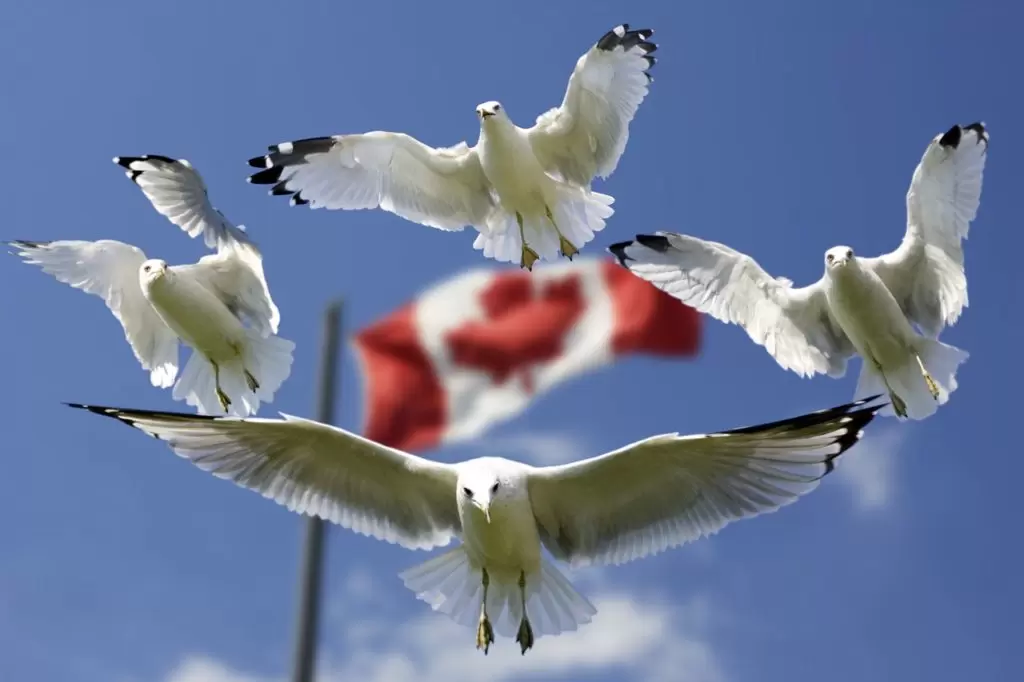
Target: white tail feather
{"x": 940, "y": 359}
{"x": 579, "y": 214}
{"x": 269, "y": 360}
{"x": 451, "y": 585}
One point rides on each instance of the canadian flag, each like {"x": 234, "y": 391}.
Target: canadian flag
{"x": 473, "y": 350}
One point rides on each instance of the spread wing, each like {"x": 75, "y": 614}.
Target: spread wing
{"x": 443, "y": 188}
{"x": 235, "y": 275}
{"x": 315, "y": 469}
{"x": 235, "y": 272}
{"x": 926, "y": 272}
{"x": 178, "y": 192}
{"x": 794, "y": 325}
{"x": 668, "y": 490}
{"x": 110, "y": 269}
{"x": 587, "y": 134}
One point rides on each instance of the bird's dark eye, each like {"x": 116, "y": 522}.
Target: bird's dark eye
{"x": 849, "y": 253}
{"x": 497, "y": 107}
{"x": 829, "y": 258}
{"x": 468, "y": 492}
{"x": 494, "y": 488}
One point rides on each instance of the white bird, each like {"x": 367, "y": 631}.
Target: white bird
{"x": 862, "y": 306}
{"x": 655, "y": 494}
{"x": 525, "y": 190}
{"x": 233, "y": 367}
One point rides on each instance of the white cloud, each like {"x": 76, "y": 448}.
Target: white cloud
{"x": 636, "y": 638}
{"x": 199, "y": 668}
{"x": 869, "y": 468}
{"x": 632, "y": 636}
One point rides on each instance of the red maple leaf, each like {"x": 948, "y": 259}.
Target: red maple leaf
{"x": 523, "y": 326}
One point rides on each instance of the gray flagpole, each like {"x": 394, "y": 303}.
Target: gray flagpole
{"x": 311, "y": 566}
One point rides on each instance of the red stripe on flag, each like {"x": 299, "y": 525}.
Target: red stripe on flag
{"x": 404, "y": 405}
{"x": 647, "y": 320}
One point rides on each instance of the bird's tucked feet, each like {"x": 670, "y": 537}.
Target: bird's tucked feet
{"x": 898, "y": 405}
{"x": 933, "y": 387}
{"x": 568, "y": 250}
{"x": 484, "y": 633}
{"x": 251, "y": 382}
{"x": 225, "y": 401}
{"x": 529, "y": 258}
{"x": 525, "y": 635}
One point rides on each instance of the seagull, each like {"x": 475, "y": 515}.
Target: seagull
{"x": 862, "y": 306}
{"x": 645, "y": 498}
{"x": 233, "y": 367}
{"x": 525, "y": 190}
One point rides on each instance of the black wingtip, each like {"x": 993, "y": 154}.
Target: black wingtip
{"x": 623, "y": 36}
{"x": 859, "y": 412}
{"x": 127, "y": 161}
{"x": 657, "y": 242}
{"x": 26, "y": 244}
{"x": 267, "y": 176}
{"x": 951, "y": 138}
{"x": 129, "y": 416}
{"x": 618, "y": 250}
{"x": 978, "y": 127}
{"x": 258, "y": 161}
{"x": 105, "y": 411}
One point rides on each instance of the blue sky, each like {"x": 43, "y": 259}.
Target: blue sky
{"x": 779, "y": 128}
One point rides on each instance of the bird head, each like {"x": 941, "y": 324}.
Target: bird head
{"x": 490, "y": 111}
{"x": 838, "y": 257}
{"x": 481, "y": 489}
{"x": 152, "y": 270}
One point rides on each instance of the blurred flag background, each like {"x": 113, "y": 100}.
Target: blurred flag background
{"x": 474, "y": 350}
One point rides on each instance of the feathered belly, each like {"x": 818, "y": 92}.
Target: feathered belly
{"x": 506, "y": 546}
{"x": 517, "y": 177}
{"x": 198, "y": 317}
{"x": 871, "y": 317}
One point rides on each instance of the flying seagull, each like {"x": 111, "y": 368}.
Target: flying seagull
{"x": 525, "y": 190}
{"x": 655, "y": 494}
{"x": 862, "y": 306}
{"x": 233, "y": 367}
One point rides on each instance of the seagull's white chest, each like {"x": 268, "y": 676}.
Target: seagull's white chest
{"x": 869, "y": 315}
{"x": 197, "y": 316}
{"x": 508, "y": 544}
{"x": 513, "y": 170}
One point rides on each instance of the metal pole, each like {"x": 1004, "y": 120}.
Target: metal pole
{"x": 312, "y": 551}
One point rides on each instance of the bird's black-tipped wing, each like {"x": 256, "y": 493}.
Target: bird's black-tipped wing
{"x": 925, "y": 274}
{"x": 443, "y": 188}
{"x": 793, "y": 324}
{"x": 178, "y": 192}
{"x": 668, "y": 490}
{"x": 585, "y": 136}
{"x": 315, "y": 469}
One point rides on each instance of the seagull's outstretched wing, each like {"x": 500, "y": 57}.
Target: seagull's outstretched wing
{"x": 178, "y": 192}
{"x": 235, "y": 273}
{"x": 110, "y": 269}
{"x": 443, "y": 188}
{"x": 794, "y": 325}
{"x": 926, "y": 272}
{"x": 668, "y": 490}
{"x": 586, "y": 135}
{"x": 316, "y": 469}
